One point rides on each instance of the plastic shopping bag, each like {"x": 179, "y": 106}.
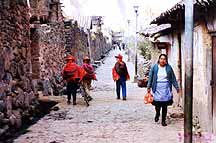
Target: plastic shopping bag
{"x": 148, "y": 98}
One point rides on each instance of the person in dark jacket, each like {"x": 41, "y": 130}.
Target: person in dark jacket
{"x": 120, "y": 75}
{"x": 161, "y": 79}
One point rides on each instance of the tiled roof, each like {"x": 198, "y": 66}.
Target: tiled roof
{"x": 153, "y": 29}
{"x": 180, "y": 6}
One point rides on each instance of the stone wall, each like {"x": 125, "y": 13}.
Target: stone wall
{"x": 46, "y": 10}
{"x": 47, "y": 44}
{"x": 39, "y": 9}
{"x": 32, "y": 51}
{"x": 17, "y": 98}
{"x": 51, "y": 55}
{"x": 52, "y": 50}
{"x": 77, "y": 43}
{"x": 51, "y": 43}
{"x": 99, "y": 45}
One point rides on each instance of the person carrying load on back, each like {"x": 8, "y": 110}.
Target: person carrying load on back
{"x": 120, "y": 75}
{"x": 90, "y": 75}
{"x": 72, "y": 74}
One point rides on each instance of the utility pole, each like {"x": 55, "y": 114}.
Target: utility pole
{"x": 128, "y": 36}
{"x": 89, "y": 44}
{"x": 188, "y": 47}
{"x": 136, "y": 11}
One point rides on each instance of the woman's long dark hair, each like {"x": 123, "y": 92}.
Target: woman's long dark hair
{"x": 164, "y": 56}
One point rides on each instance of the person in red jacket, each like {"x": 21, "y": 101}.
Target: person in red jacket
{"x": 90, "y": 75}
{"x": 73, "y": 74}
{"x": 120, "y": 75}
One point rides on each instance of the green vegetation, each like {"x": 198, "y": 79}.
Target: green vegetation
{"x": 145, "y": 48}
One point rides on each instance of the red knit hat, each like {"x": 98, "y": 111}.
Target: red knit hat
{"x": 119, "y": 56}
{"x": 69, "y": 57}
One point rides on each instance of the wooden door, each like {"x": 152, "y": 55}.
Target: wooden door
{"x": 214, "y": 85}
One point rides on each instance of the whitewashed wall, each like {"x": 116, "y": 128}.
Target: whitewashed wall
{"x": 202, "y": 76}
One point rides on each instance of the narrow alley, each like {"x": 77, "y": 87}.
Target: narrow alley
{"x": 106, "y": 120}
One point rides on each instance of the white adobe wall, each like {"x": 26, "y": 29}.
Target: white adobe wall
{"x": 174, "y": 61}
{"x": 202, "y": 91}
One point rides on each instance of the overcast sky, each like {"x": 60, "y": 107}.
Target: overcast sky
{"x": 117, "y": 12}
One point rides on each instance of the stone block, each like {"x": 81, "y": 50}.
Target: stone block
{"x": 1, "y": 117}
{"x": 8, "y": 106}
{"x": 17, "y": 119}
{"x": 4, "y": 129}
{"x": 27, "y": 100}
{"x": 12, "y": 120}
{"x": 2, "y": 106}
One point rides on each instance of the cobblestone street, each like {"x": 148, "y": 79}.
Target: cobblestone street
{"x": 106, "y": 120}
{"x": 51, "y": 48}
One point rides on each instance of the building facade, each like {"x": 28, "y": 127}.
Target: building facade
{"x": 172, "y": 40}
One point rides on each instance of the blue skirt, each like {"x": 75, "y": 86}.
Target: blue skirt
{"x": 163, "y": 95}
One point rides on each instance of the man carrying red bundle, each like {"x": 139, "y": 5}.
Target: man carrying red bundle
{"x": 120, "y": 75}
{"x": 89, "y": 76}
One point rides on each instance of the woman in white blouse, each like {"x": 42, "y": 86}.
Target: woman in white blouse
{"x": 161, "y": 79}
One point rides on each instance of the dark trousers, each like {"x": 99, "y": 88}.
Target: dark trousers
{"x": 164, "y": 111}
{"x": 72, "y": 89}
{"x": 121, "y": 83}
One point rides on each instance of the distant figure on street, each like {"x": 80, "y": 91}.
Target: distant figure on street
{"x": 72, "y": 74}
{"x": 120, "y": 75}
{"x": 90, "y": 75}
{"x": 161, "y": 79}
{"x": 123, "y": 46}
{"x": 119, "y": 46}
